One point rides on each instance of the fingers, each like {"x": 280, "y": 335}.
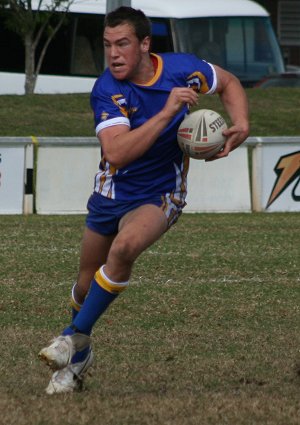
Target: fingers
{"x": 235, "y": 137}
{"x": 179, "y": 97}
{"x": 186, "y": 96}
{"x": 239, "y": 133}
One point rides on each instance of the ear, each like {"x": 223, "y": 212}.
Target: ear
{"x": 145, "y": 44}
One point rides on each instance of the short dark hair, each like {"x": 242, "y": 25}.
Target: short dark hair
{"x": 127, "y": 15}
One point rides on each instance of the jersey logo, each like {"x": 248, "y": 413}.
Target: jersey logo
{"x": 197, "y": 82}
{"x": 287, "y": 170}
{"x": 121, "y": 103}
{"x": 104, "y": 116}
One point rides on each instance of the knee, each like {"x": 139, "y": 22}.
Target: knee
{"x": 125, "y": 250}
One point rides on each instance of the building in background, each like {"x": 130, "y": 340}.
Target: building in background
{"x": 285, "y": 17}
{"x": 234, "y": 34}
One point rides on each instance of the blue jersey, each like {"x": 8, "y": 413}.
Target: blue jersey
{"x": 163, "y": 168}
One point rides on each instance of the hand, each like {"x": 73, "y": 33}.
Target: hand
{"x": 235, "y": 136}
{"x": 178, "y": 98}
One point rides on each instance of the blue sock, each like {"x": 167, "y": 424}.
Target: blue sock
{"x": 79, "y": 356}
{"x": 93, "y": 307}
{"x": 74, "y": 313}
{"x": 102, "y": 292}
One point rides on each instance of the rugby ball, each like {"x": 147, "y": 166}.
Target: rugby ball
{"x": 200, "y": 134}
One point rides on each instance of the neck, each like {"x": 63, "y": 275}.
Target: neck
{"x": 145, "y": 72}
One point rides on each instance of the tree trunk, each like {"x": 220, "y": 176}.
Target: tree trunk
{"x": 30, "y": 75}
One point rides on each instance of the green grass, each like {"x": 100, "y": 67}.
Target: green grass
{"x": 46, "y": 115}
{"x": 272, "y": 113}
{"x": 207, "y": 332}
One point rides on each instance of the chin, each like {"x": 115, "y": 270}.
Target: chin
{"x": 119, "y": 75}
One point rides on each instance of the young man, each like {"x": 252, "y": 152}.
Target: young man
{"x": 140, "y": 188}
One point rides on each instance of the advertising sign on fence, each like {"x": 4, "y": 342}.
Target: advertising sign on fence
{"x": 276, "y": 175}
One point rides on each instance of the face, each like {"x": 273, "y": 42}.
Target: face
{"x": 124, "y": 52}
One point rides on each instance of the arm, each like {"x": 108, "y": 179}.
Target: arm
{"x": 235, "y": 102}
{"x": 121, "y": 145}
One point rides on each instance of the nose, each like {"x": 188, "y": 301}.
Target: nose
{"x": 114, "y": 51}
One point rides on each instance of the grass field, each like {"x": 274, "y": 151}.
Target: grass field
{"x": 207, "y": 332}
{"x": 272, "y": 113}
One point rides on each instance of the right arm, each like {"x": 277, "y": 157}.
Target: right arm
{"x": 120, "y": 145}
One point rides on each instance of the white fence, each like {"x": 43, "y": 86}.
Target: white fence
{"x": 16, "y": 169}
{"x": 65, "y": 174}
{"x": 64, "y": 171}
{"x": 220, "y": 186}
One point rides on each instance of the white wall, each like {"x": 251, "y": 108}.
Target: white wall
{"x": 13, "y": 83}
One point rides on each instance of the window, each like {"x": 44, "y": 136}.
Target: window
{"x": 161, "y": 36}
{"x": 245, "y": 46}
{"x": 87, "y": 54}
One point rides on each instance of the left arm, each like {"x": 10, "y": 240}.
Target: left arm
{"x": 234, "y": 99}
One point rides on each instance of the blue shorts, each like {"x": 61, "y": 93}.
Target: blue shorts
{"x": 104, "y": 214}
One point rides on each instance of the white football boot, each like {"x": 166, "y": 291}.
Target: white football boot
{"x": 59, "y": 354}
{"x": 71, "y": 377}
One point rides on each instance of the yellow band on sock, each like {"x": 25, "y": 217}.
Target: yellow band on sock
{"x": 74, "y": 304}
{"x": 108, "y": 285}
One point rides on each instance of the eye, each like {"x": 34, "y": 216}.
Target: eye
{"x": 123, "y": 43}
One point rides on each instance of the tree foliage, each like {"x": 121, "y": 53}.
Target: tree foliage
{"x": 36, "y": 22}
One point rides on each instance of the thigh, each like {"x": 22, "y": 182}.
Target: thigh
{"x": 138, "y": 229}
{"x": 142, "y": 226}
